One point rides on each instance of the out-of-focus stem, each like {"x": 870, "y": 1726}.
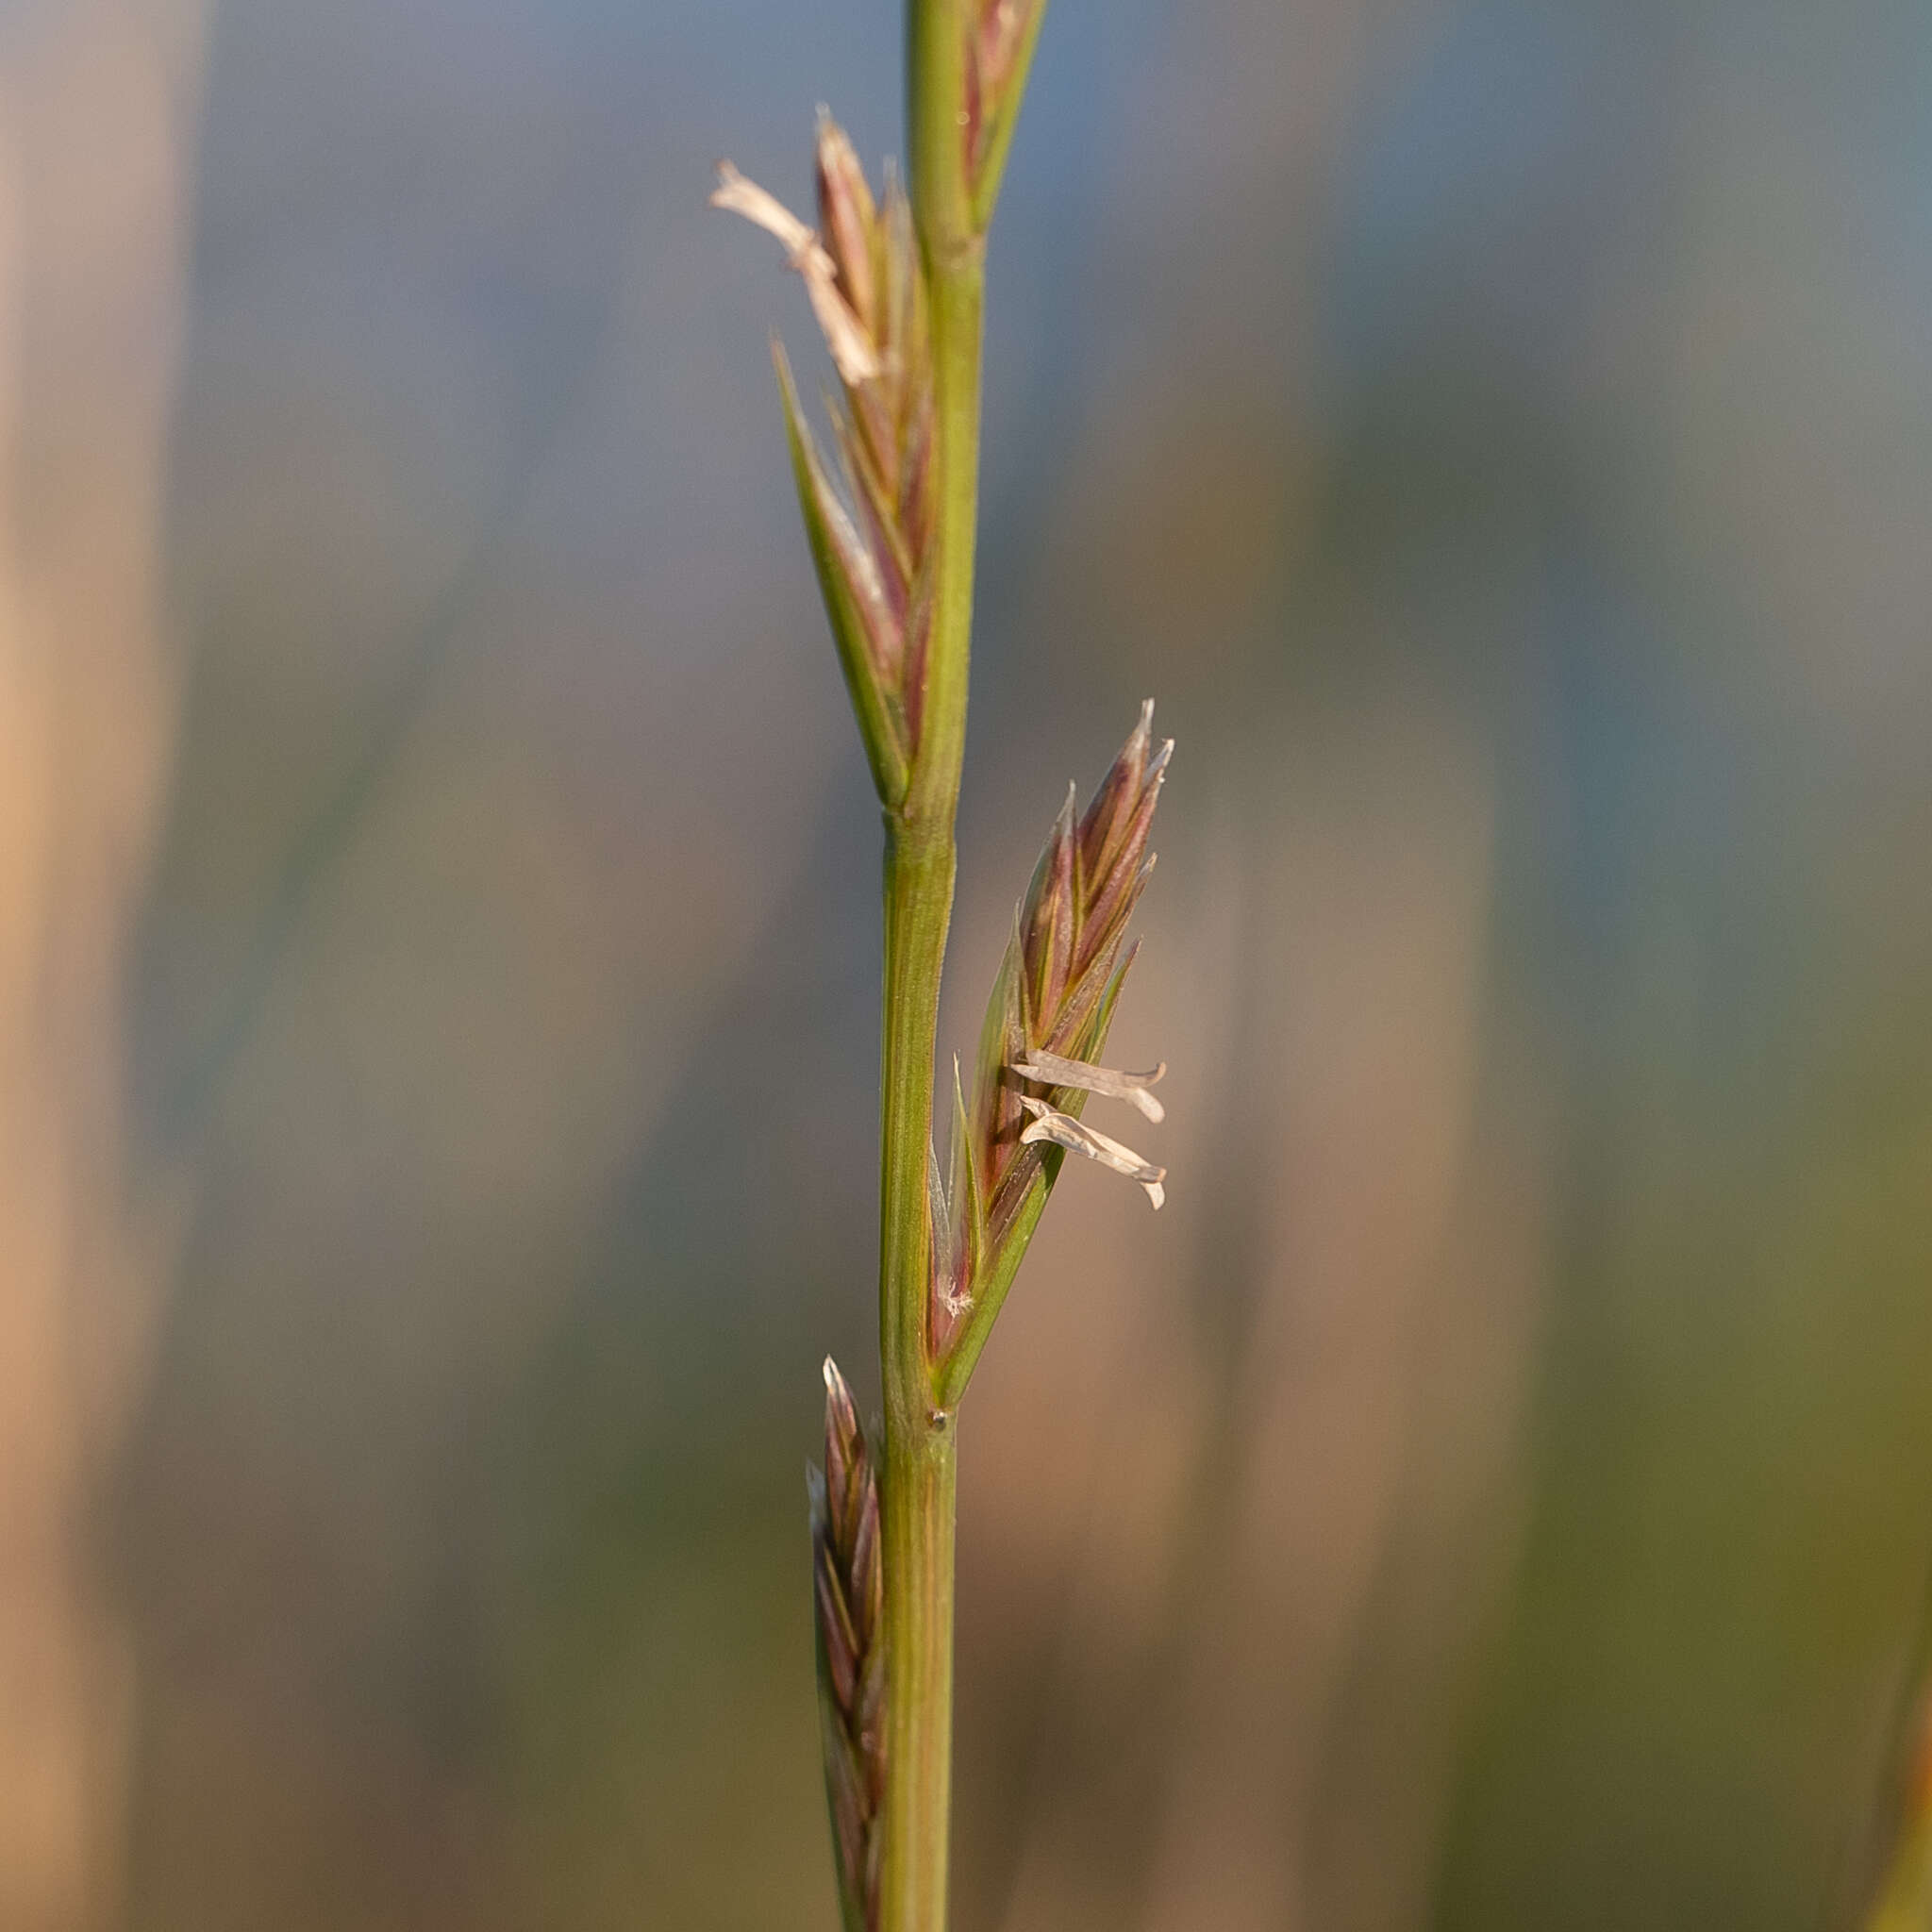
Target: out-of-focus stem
{"x": 917, "y": 1503}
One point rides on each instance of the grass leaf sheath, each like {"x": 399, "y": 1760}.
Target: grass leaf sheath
{"x": 896, "y": 282}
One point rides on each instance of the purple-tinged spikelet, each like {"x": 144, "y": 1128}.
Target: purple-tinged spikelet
{"x": 871, "y": 530}
{"x": 848, "y": 1597}
{"x": 999, "y": 49}
{"x": 1045, "y": 1028}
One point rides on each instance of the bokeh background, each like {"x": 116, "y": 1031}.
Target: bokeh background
{"x": 437, "y": 976}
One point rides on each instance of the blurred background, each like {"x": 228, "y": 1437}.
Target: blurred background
{"x": 438, "y": 966}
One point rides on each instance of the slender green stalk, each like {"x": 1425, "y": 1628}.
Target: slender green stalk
{"x": 918, "y": 1479}
{"x": 917, "y": 1517}
{"x": 918, "y": 1506}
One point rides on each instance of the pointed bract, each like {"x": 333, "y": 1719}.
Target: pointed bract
{"x": 847, "y": 218}
{"x": 848, "y": 581}
{"x": 999, "y": 51}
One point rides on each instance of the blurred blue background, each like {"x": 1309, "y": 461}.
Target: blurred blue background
{"x": 1497, "y": 1493}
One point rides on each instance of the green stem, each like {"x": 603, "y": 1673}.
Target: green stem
{"x": 918, "y": 1503}
{"x": 918, "y": 1510}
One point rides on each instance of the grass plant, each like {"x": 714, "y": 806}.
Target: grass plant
{"x": 896, "y": 281}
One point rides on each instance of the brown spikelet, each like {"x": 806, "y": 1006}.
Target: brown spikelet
{"x": 869, "y": 525}
{"x": 848, "y": 1602}
{"x": 1045, "y": 1028}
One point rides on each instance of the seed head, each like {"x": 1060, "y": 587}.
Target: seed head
{"x": 848, "y": 1600}
{"x": 870, "y": 532}
{"x": 1045, "y": 1028}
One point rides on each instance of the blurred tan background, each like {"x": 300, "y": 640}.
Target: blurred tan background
{"x": 438, "y": 1037}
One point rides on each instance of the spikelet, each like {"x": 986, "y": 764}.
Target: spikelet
{"x": 848, "y": 1601}
{"x": 1045, "y": 1028}
{"x": 999, "y": 49}
{"x": 871, "y": 530}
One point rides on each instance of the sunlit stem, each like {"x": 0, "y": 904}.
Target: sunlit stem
{"x": 920, "y": 1473}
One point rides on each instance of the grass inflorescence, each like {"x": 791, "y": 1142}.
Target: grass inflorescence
{"x": 896, "y": 281}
